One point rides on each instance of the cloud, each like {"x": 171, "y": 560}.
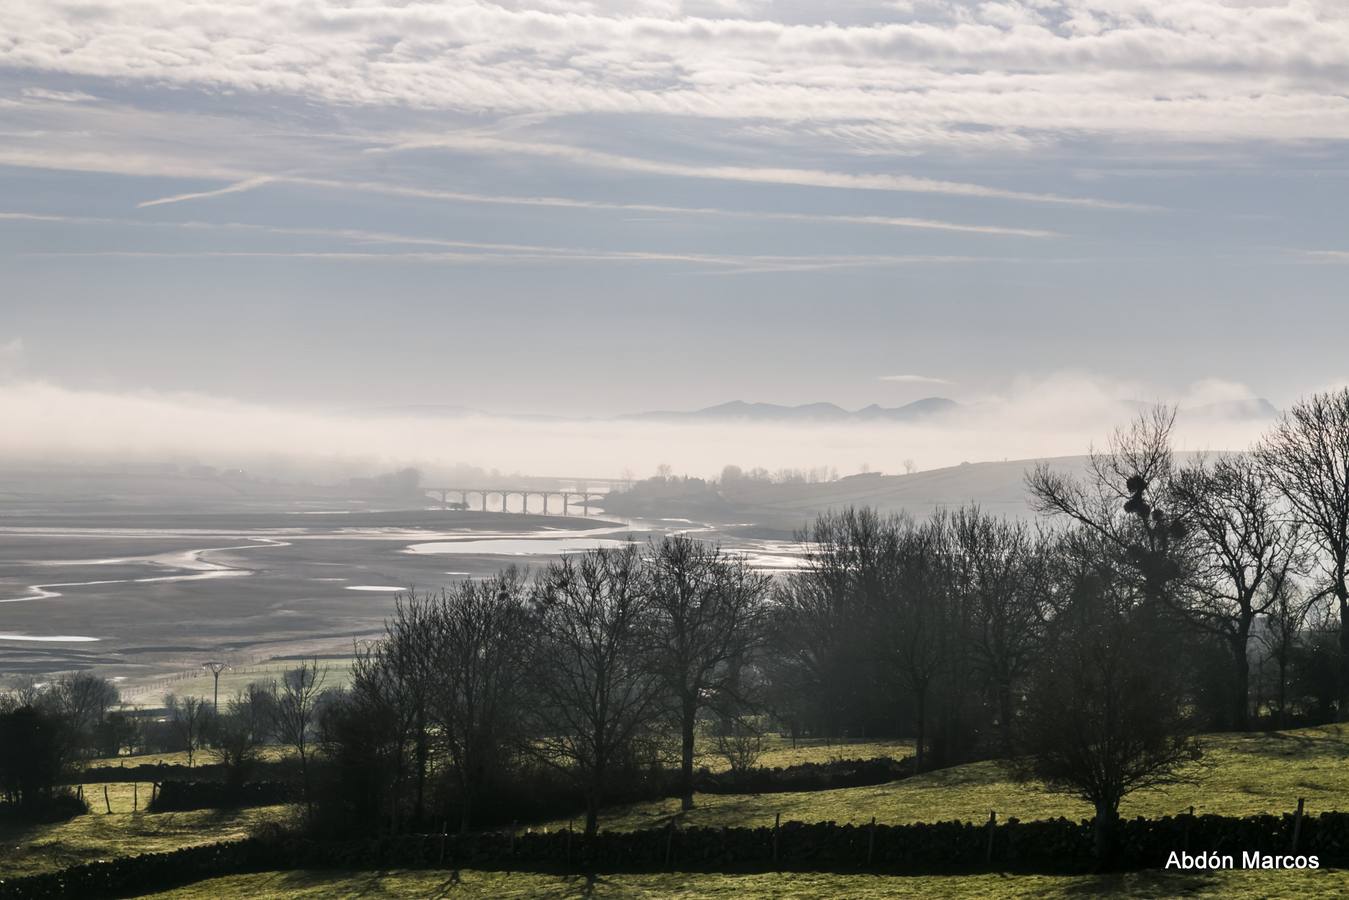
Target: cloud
{"x": 1056, "y": 415}
{"x": 425, "y": 193}
{"x": 914, "y": 379}
{"x": 755, "y": 174}
{"x": 247, "y": 184}
{"x": 1205, "y": 70}
{"x": 464, "y": 251}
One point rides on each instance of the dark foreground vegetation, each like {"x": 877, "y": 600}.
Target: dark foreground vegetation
{"x": 1156, "y": 601}
{"x": 1055, "y": 846}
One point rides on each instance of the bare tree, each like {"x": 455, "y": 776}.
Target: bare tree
{"x": 241, "y": 729}
{"x": 741, "y": 745}
{"x": 1284, "y": 621}
{"x": 1246, "y": 552}
{"x": 189, "y": 719}
{"x": 479, "y": 654}
{"x": 1126, "y": 500}
{"x": 997, "y": 566}
{"x": 1105, "y": 715}
{"x": 82, "y": 701}
{"x": 296, "y": 715}
{"x": 1307, "y": 455}
{"x": 595, "y": 692}
{"x": 706, "y": 615}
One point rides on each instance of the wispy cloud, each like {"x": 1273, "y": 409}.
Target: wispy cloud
{"x": 914, "y": 379}
{"x": 899, "y": 183}
{"x": 425, "y": 193}
{"x": 1323, "y": 256}
{"x": 237, "y": 187}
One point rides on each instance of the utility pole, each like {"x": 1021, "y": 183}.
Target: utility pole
{"x": 215, "y": 668}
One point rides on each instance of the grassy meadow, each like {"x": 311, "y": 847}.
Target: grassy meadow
{"x": 1241, "y": 774}
{"x": 1239, "y": 885}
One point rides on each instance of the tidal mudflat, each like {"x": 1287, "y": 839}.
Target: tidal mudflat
{"x": 141, "y": 595}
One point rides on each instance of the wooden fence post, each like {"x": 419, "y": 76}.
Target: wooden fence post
{"x": 1297, "y": 823}
{"x": 871, "y": 841}
{"x": 992, "y": 832}
{"x": 135, "y": 796}
{"x": 777, "y": 826}
{"x": 106, "y": 802}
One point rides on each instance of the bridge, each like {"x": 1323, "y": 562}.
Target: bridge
{"x": 499, "y": 498}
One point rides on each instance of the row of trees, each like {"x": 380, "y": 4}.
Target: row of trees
{"x": 601, "y": 666}
{"x": 48, "y": 730}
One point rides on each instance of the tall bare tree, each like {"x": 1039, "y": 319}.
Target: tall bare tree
{"x": 1126, "y": 500}
{"x": 479, "y": 652}
{"x": 1284, "y": 622}
{"x": 595, "y": 693}
{"x": 1246, "y": 552}
{"x": 189, "y": 719}
{"x": 1307, "y": 455}
{"x": 998, "y": 567}
{"x": 706, "y": 617}
{"x": 296, "y": 717}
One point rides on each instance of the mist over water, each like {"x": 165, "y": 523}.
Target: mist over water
{"x": 1056, "y": 416}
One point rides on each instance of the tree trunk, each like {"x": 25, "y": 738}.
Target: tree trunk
{"x": 921, "y": 710}
{"x": 688, "y": 719}
{"x": 1106, "y": 834}
{"x": 1241, "y": 683}
{"x": 592, "y": 812}
{"x": 1283, "y": 691}
{"x": 1342, "y": 714}
{"x": 1005, "y": 717}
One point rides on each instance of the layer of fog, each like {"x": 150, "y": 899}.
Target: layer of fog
{"x": 1055, "y": 416}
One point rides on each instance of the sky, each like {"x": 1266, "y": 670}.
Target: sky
{"x": 590, "y": 207}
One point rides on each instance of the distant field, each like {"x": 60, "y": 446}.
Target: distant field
{"x": 1242, "y": 774}
{"x": 765, "y": 886}
{"x": 336, "y": 674}
{"x": 779, "y": 751}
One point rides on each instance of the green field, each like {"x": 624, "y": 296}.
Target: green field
{"x": 46, "y": 848}
{"x": 1241, "y": 774}
{"x": 781, "y": 751}
{"x": 765, "y": 886}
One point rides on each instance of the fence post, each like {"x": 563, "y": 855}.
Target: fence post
{"x": 1189, "y": 819}
{"x": 992, "y": 832}
{"x": 871, "y": 841}
{"x": 135, "y": 796}
{"x": 106, "y": 803}
{"x": 777, "y": 826}
{"x": 669, "y": 843}
{"x": 1297, "y": 823}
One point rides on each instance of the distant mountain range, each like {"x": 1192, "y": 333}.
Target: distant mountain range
{"x": 1256, "y": 408}
{"x": 806, "y": 412}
